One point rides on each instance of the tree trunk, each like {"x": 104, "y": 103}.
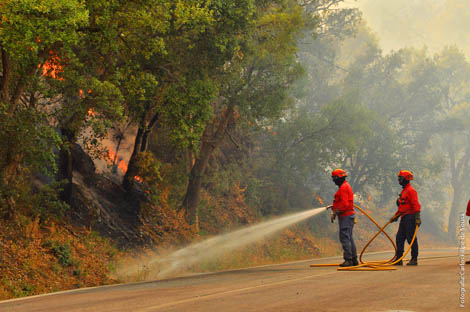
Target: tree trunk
{"x": 140, "y": 145}
{"x": 65, "y": 172}
{"x": 210, "y": 141}
{"x": 453, "y": 215}
{"x": 131, "y": 167}
{"x": 143, "y": 145}
{"x": 116, "y": 159}
{"x": 147, "y": 131}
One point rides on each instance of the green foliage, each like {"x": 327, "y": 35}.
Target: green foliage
{"x": 27, "y": 137}
{"x": 27, "y": 143}
{"x": 149, "y": 169}
{"x": 31, "y": 27}
{"x": 63, "y": 252}
{"x": 299, "y": 150}
{"x": 260, "y": 74}
{"x": 89, "y": 110}
{"x": 46, "y": 203}
{"x": 185, "y": 119}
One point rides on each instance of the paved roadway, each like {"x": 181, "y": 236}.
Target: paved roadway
{"x": 431, "y": 286}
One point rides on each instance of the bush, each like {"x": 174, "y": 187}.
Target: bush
{"x": 63, "y": 252}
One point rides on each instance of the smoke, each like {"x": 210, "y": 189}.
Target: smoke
{"x": 161, "y": 267}
{"x": 405, "y": 23}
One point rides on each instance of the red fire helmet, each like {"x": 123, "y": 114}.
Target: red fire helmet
{"x": 408, "y": 175}
{"x": 340, "y": 173}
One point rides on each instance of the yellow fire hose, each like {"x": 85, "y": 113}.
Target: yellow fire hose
{"x": 373, "y": 265}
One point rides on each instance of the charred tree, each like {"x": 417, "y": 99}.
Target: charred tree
{"x": 65, "y": 165}
{"x": 131, "y": 167}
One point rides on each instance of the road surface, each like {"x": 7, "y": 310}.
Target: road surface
{"x": 433, "y": 285}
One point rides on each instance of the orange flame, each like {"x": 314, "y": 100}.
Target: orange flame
{"x": 123, "y": 166}
{"x": 111, "y": 155}
{"x": 82, "y": 95}
{"x": 318, "y": 198}
{"x": 52, "y": 67}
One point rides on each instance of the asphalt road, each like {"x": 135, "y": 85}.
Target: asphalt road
{"x": 433, "y": 285}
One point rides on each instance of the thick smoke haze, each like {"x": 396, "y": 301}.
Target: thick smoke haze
{"x": 417, "y": 23}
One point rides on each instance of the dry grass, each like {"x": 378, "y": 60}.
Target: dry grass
{"x": 42, "y": 258}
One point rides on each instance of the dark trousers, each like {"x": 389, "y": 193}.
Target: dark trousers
{"x": 406, "y": 230}
{"x": 346, "y": 225}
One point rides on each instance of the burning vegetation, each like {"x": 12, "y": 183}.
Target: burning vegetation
{"x": 52, "y": 67}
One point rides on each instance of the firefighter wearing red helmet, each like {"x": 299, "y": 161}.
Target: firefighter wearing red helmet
{"x": 409, "y": 210}
{"x": 343, "y": 208}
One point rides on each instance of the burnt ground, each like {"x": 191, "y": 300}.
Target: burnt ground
{"x": 99, "y": 202}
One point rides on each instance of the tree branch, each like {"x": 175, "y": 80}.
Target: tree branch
{"x": 232, "y": 139}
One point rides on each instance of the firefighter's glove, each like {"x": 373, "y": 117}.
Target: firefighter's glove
{"x": 332, "y": 218}
{"x": 329, "y": 207}
{"x": 394, "y": 218}
{"x": 418, "y": 218}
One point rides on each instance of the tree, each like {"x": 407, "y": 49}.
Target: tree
{"x": 198, "y": 39}
{"x": 297, "y": 159}
{"x": 253, "y": 85}
{"x": 452, "y": 121}
{"x": 402, "y": 88}
{"x": 34, "y": 36}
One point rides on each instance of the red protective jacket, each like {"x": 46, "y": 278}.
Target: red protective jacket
{"x": 343, "y": 203}
{"x": 468, "y": 208}
{"x": 408, "y": 201}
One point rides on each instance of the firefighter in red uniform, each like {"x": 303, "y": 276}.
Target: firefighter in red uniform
{"x": 343, "y": 208}
{"x": 468, "y": 211}
{"x": 409, "y": 210}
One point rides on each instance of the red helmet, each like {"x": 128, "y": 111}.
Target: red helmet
{"x": 340, "y": 173}
{"x": 408, "y": 175}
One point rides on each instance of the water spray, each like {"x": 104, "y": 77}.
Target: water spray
{"x": 215, "y": 246}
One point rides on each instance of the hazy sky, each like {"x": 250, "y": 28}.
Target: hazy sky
{"x": 434, "y": 23}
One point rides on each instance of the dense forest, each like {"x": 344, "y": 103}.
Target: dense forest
{"x": 150, "y": 123}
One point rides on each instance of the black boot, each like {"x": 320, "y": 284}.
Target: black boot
{"x": 399, "y": 262}
{"x": 413, "y": 261}
{"x": 354, "y": 261}
{"x": 346, "y": 263}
